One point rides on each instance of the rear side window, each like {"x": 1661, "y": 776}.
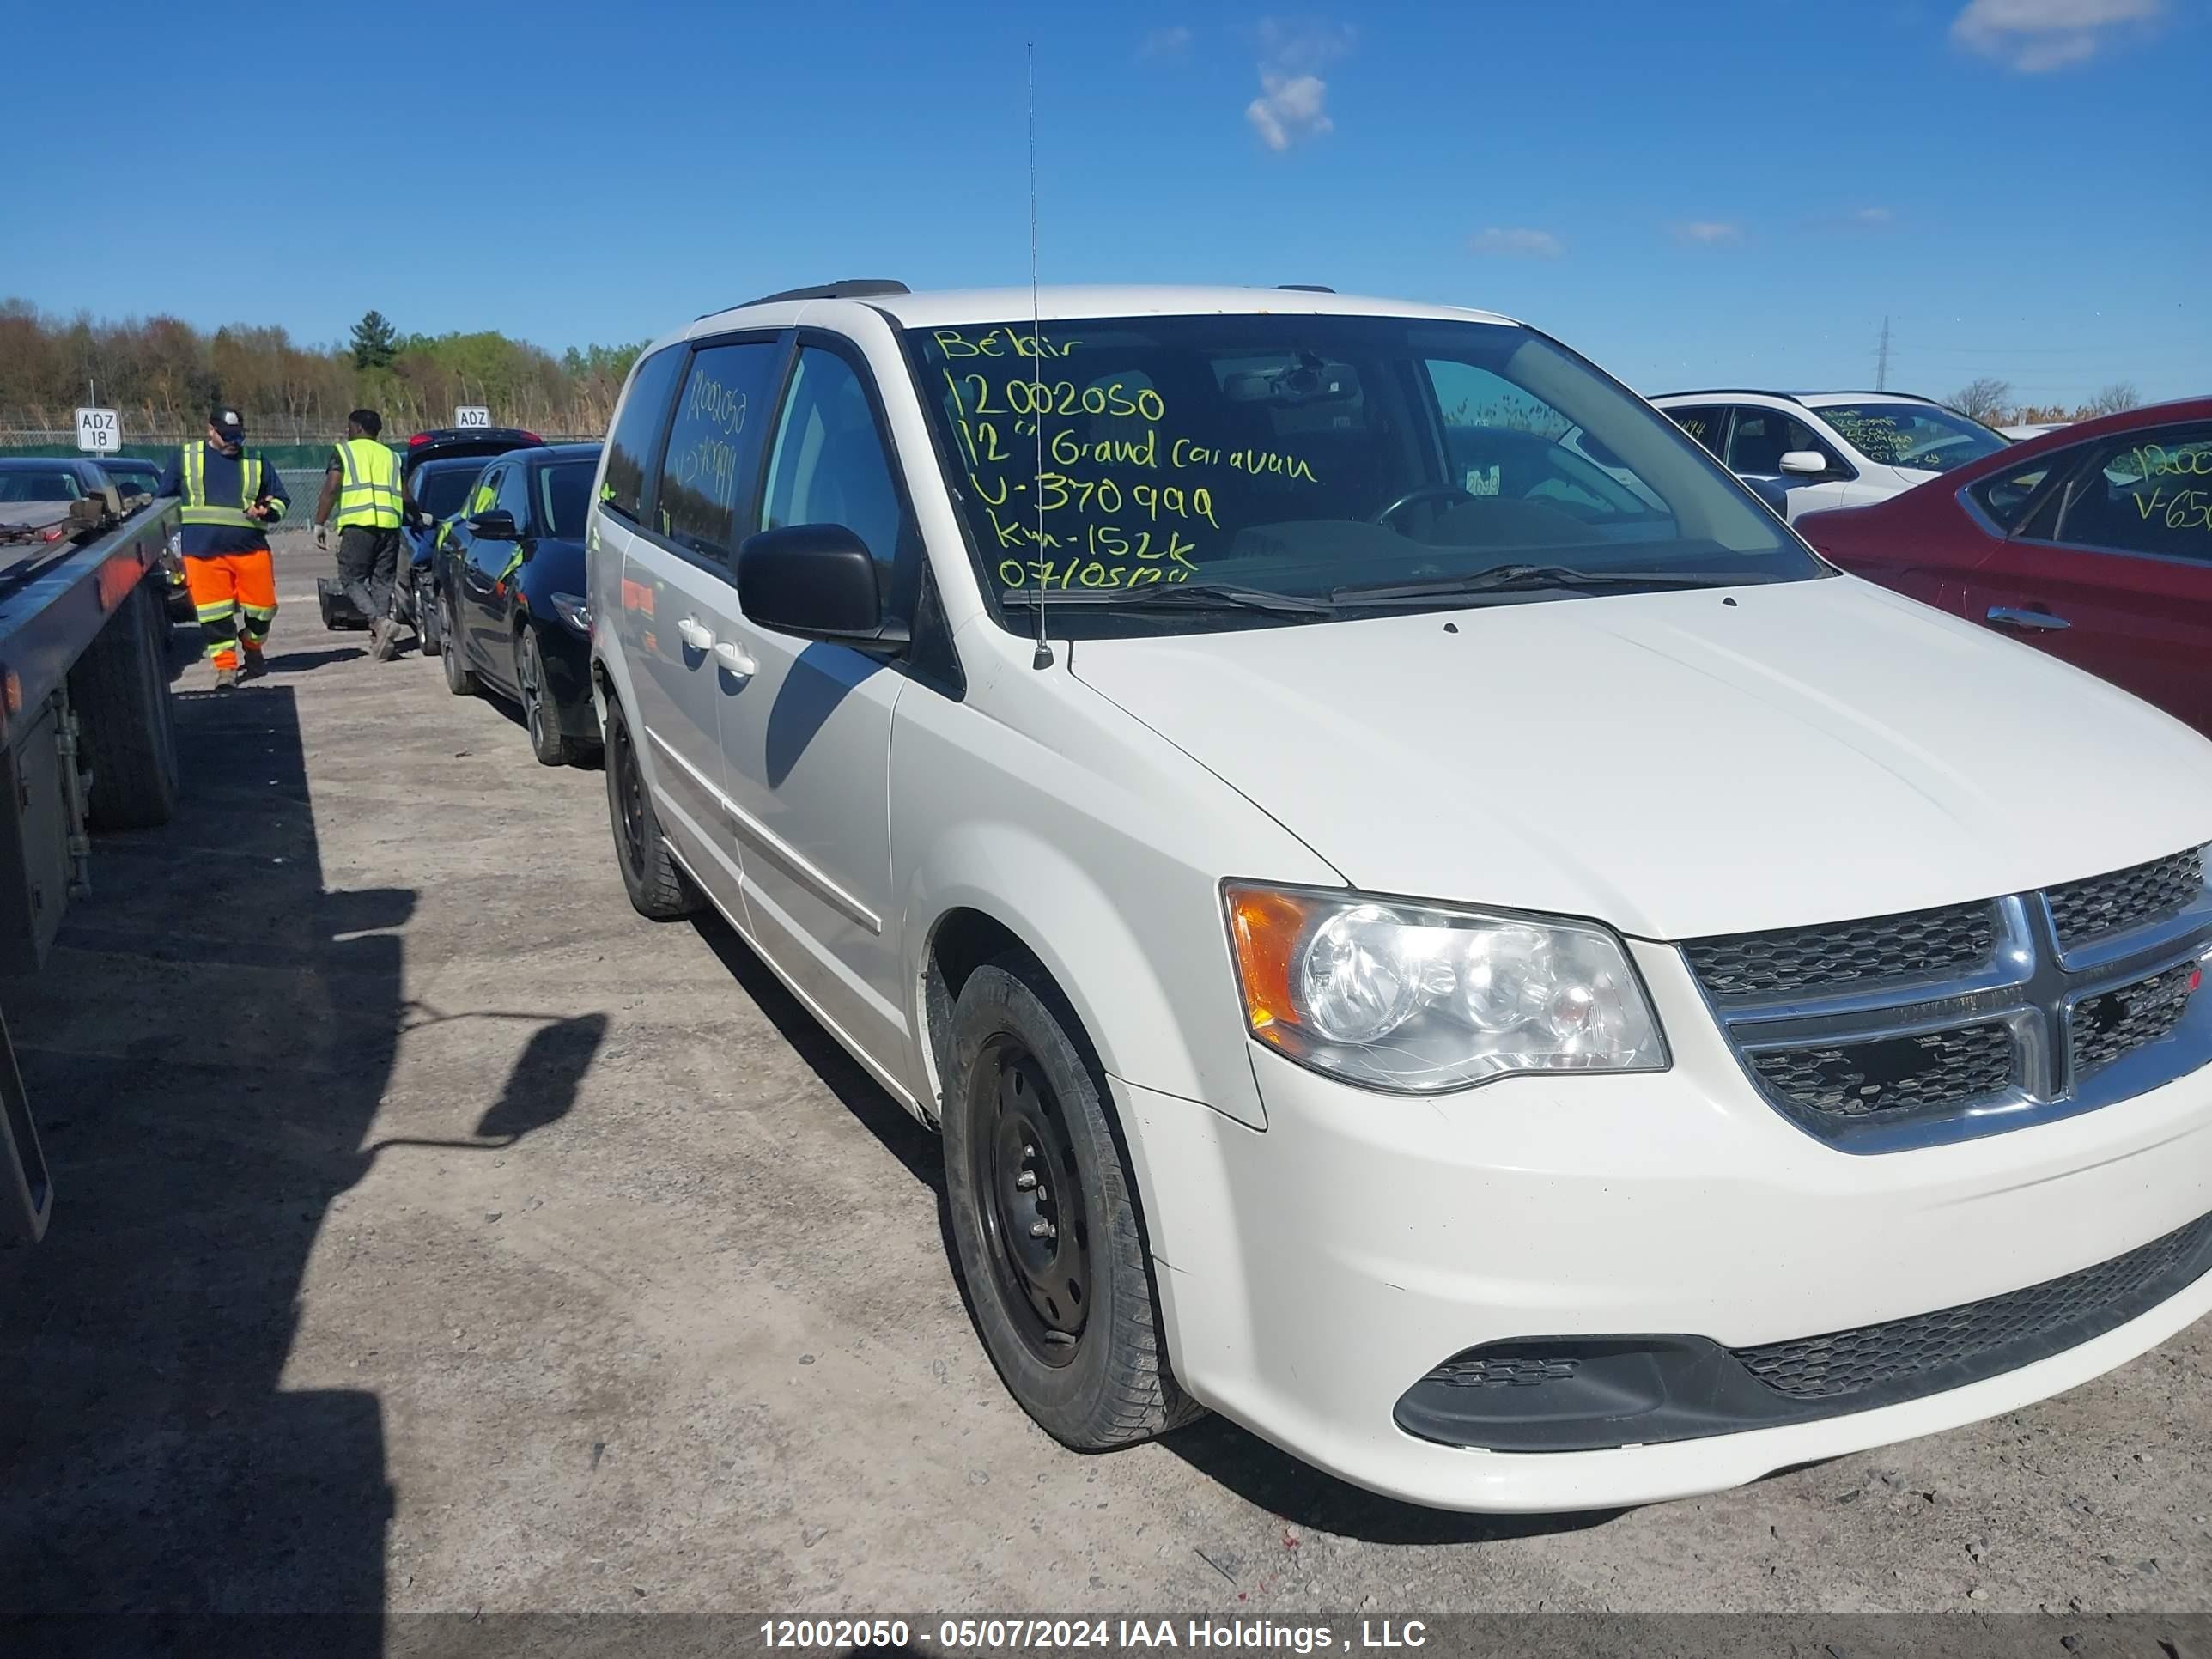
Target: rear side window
{"x": 637, "y": 432}
{"x": 1706, "y": 422}
{"x": 2148, "y": 492}
{"x": 705, "y": 505}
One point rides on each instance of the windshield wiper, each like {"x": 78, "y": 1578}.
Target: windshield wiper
{"x": 1176, "y": 596}
{"x": 1516, "y": 578}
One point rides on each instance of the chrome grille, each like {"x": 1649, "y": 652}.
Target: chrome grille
{"x": 1916, "y": 945}
{"x": 2057, "y": 1314}
{"x": 2083, "y": 910}
{"x": 1893, "y": 1074}
{"x": 1967, "y": 1020}
{"x": 2104, "y": 1028}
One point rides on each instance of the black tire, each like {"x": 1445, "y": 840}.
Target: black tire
{"x": 1069, "y": 1319}
{"x": 431, "y": 636}
{"x": 460, "y": 679}
{"x": 657, "y": 887}
{"x": 126, "y": 726}
{"x": 539, "y": 718}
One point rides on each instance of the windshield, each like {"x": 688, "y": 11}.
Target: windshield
{"x": 1307, "y": 455}
{"x": 1918, "y": 435}
{"x": 564, "y": 490}
{"x": 38, "y": 487}
{"x": 439, "y": 490}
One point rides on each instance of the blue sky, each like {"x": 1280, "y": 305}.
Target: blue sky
{"x": 1692, "y": 193}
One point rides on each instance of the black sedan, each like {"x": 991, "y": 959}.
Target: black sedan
{"x": 510, "y": 594}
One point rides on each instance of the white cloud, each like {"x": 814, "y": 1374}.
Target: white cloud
{"x": 1517, "y": 241}
{"x": 1871, "y": 217}
{"x": 1165, "y": 42}
{"x": 1287, "y": 111}
{"x": 1708, "y": 232}
{"x": 1292, "y": 102}
{"x": 2038, "y": 36}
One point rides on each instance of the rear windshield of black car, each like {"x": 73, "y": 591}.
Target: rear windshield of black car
{"x": 439, "y": 490}
{"x": 564, "y": 490}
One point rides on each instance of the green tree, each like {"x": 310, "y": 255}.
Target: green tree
{"x": 375, "y": 343}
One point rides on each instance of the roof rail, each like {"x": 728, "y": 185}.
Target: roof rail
{"x": 1308, "y": 288}
{"x": 1860, "y": 392}
{"x": 851, "y": 287}
{"x": 1727, "y": 392}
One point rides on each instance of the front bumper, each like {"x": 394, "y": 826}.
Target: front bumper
{"x": 1313, "y": 1273}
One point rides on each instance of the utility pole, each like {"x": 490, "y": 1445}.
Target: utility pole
{"x": 1881, "y": 359}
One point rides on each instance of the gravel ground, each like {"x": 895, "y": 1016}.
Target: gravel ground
{"x": 436, "y": 1233}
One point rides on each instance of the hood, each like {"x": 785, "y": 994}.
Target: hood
{"x": 1674, "y": 764}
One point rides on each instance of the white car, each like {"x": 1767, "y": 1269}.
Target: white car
{"x": 1530, "y": 993}
{"x": 2033, "y": 429}
{"x": 1831, "y": 448}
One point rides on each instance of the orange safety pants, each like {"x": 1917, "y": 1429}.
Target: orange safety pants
{"x": 235, "y": 596}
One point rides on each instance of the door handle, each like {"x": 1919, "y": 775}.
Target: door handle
{"x": 2006, "y": 616}
{"x": 699, "y": 639}
{"x": 735, "y": 663}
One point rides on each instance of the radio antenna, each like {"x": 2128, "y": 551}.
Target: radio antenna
{"x": 1042, "y": 659}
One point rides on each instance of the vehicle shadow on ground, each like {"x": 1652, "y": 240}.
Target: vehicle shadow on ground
{"x": 207, "y": 1050}
{"x": 1234, "y": 1457}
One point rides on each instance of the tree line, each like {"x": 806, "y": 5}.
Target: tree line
{"x": 164, "y": 374}
{"x": 1990, "y": 401}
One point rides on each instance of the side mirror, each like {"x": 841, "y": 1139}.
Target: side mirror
{"x": 494, "y": 526}
{"x": 1805, "y": 463}
{"x": 816, "y": 581}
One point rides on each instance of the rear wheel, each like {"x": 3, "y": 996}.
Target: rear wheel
{"x": 657, "y": 888}
{"x": 119, "y": 690}
{"x": 460, "y": 679}
{"x": 547, "y": 741}
{"x": 1045, "y": 1219}
{"x": 427, "y": 629}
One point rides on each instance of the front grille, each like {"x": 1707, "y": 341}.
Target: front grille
{"x": 2055, "y": 1314}
{"x": 1504, "y": 1370}
{"x": 1917, "y": 946}
{"x": 2104, "y": 1028}
{"x": 2082, "y": 910}
{"x": 1892, "y": 1074}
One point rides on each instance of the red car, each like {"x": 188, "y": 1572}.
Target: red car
{"x": 2093, "y": 542}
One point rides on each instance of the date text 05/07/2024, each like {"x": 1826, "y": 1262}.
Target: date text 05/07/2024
{"x": 1058, "y": 1635}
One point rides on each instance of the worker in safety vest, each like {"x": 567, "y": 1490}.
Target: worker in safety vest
{"x": 363, "y": 485}
{"x": 229, "y": 498}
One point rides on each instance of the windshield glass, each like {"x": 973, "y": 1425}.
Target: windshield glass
{"x": 564, "y": 490}
{"x": 1918, "y": 435}
{"x": 1305, "y": 455}
{"x": 439, "y": 490}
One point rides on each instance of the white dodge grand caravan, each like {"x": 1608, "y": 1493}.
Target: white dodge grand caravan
{"x": 1479, "y": 958}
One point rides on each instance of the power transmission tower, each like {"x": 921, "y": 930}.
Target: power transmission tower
{"x": 1881, "y": 359}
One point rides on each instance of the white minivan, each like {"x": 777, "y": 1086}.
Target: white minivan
{"x": 1482, "y": 959}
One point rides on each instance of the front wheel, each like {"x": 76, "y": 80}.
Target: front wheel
{"x": 1045, "y": 1219}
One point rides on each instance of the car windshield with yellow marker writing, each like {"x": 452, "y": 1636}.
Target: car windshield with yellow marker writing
{"x": 1346, "y": 462}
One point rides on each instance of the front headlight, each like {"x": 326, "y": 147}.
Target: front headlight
{"x": 1422, "y": 997}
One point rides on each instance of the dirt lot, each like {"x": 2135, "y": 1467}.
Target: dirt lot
{"x": 436, "y": 1233}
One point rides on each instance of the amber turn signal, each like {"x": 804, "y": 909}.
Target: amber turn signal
{"x": 1266, "y": 926}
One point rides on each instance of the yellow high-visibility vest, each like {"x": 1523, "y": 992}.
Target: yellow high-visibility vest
{"x": 369, "y": 493}
{"x": 199, "y": 510}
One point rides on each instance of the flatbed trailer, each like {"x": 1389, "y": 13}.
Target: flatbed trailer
{"x": 88, "y": 742}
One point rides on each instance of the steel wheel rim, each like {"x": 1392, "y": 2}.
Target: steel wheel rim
{"x": 629, "y": 795}
{"x": 1035, "y": 1229}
